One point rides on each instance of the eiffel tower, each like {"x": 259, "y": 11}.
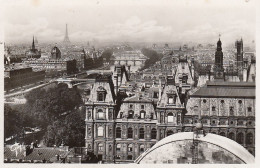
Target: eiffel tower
{"x": 66, "y": 38}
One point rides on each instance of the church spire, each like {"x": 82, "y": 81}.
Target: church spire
{"x": 33, "y": 45}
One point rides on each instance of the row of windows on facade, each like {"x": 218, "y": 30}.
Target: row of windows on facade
{"x": 170, "y": 118}
{"x": 119, "y": 147}
{"x": 131, "y": 106}
{"x": 130, "y": 133}
{"x": 231, "y": 109}
{"x": 222, "y": 101}
{"x": 131, "y": 115}
{"x": 221, "y": 122}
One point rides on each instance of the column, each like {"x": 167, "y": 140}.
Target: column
{"x": 106, "y": 114}
{"x": 95, "y": 131}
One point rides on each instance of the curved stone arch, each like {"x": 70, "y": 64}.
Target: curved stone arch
{"x": 67, "y": 83}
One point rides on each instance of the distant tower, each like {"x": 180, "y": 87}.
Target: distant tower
{"x": 33, "y": 45}
{"x": 239, "y": 55}
{"x": 66, "y": 38}
{"x": 219, "y": 56}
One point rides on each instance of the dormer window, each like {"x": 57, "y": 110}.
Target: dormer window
{"x": 184, "y": 79}
{"x": 142, "y": 114}
{"x": 172, "y": 99}
{"x": 130, "y": 114}
{"x": 155, "y": 95}
{"x": 121, "y": 114}
{"x": 101, "y": 94}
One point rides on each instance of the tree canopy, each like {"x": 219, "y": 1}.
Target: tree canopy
{"x": 69, "y": 130}
{"x": 12, "y": 121}
{"x": 45, "y": 106}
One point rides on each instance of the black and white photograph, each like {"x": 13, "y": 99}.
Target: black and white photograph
{"x": 128, "y": 82}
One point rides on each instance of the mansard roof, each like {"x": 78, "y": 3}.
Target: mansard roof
{"x": 226, "y": 90}
{"x": 137, "y": 99}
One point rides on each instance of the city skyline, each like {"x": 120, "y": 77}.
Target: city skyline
{"x": 131, "y": 21}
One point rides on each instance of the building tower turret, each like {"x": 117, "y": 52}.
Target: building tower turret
{"x": 219, "y": 56}
{"x": 66, "y": 38}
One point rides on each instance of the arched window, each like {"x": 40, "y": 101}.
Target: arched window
{"x": 231, "y": 111}
{"x": 231, "y": 135}
{"x": 141, "y": 133}
{"x": 100, "y": 96}
{"x": 100, "y": 114}
{"x": 118, "y": 132}
{"x": 240, "y": 138}
{"x": 121, "y": 114}
{"x": 141, "y": 148}
{"x": 130, "y": 133}
{"x": 100, "y": 131}
{"x": 170, "y": 132}
{"x": 130, "y": 148}
{"x": 130, "y": 114}
{"x": 249, "y": 138}
{"x": 100, "y": 147}
{"x": 142, "y": 114}
{"x": 170, "y": 117}
{"x": 222, "y": 134}
{"x": 118, "y": 147}
{"x": 153, "y": 133}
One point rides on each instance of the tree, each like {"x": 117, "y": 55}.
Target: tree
{"x": 46, "y": 106}
{"x": 12, "y": 121}
{"x": 69, "y": 130}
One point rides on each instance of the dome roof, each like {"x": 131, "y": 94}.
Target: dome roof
{"x": 55, "y": 50}
{"x": 211, "y": 149}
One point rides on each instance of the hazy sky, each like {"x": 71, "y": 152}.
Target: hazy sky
{"x": 130, "y": 20}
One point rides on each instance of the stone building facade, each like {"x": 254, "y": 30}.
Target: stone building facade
{"x": 184, "y": 75}
{"x": 136, "y": 128}
{"x": 121, "y": 130}
{"x": 224, "y": 108}
{"x": 100, "y": 119}
{"x": 169, "y": 110}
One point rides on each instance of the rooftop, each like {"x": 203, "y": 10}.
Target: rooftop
{"x": 227, "y": 89}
